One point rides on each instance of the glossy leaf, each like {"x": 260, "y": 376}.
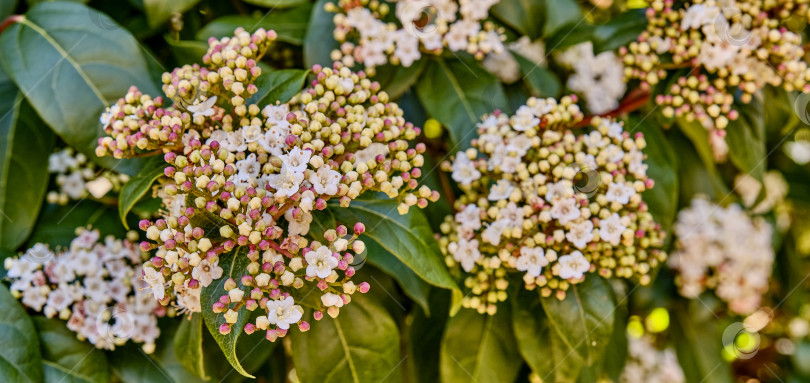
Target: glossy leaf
{"x": 289, "y": 24}
{"x": 407, "y": 237}
{"x": 541, "y": 81}
{"x": 619, "y": 31}
{"x": 277, "y": 3}
{"x": 559, "y": 13}
{"x": 139, "y": 185}
{"x": 7, "y": 8}
{"x": 57, "y": 224}
{"x": 700, "y": 139}
{"x": 584, "y": 319}
{"x": 319, "y": 41}
{"x": 278, "y": 85}
{"x": 746, "y": 139}
{"x": 131, "y": 365}
{"x": 67, "y": 359}
{"x": 186, "y": 51}
{"x": 234, "y": 265}
{"x": 662, "y": 164}
{"x": 479, "y": 348}
{"x": 71, "y": 62}
{"x": 525, "y": 16}
{"x": 188, "y": 346}
{"x": 396, "y": 79}
{"x": 458, "y": 93}
{"x": 360, "y": 345}
{"x": 209, "y": 222}
{"x": 698, "y": 343}
{"x": 25, "y": 144}
{"x": 160, "y": 11}
{"x": 20, "y": 359}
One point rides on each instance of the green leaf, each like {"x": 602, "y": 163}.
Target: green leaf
{"x": 479, "y": 348}
{"x": 569, "y": 35}
{"x": 131, "y": 365}
{"x": 619, "y": 31}
{"x": 278, "y": 85}
{"x": 542, "y": 349}
{"x": 407, "y": 237}
{"x": 289, "y": 24}
{"x": 186, "y": 51}
{"x": 71, "y": 62}
{"x": 160, "y": 11}
{"x": 67, "y": 359}
{"x": 277, "y": 3}
{"x": 584, "y": 319}
{"x": 360, "y": 345}
{"x": 458, "y": 93}
{"x": 700, "y": 139}
{"x": 188, "y": 345}
{"x": 320, "y": 42}
{"x": 137, "y": 186}
{"x": 209, "y": 222}
{"x": 525, "y": 16}
{"x": 7, "y": 8}
{"x": 662, "y": 164}
{"x": 57, "y": 224}
{"x": 746, "y": 139}
{"x": 559, "y": 13}
{"x": 234, "y": 265}
{"x": 693, "y": 176}
{"x": 698, "y": 343}
{"x": 541, "y": 81}
{"x": 397, "y": 79}
{"x": 20, "y": 359}
{"x": 25, "y": 144}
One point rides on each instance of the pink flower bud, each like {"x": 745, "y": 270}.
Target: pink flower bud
{"x": 250, "y": 328}
{"x": 318, "y": 315}
{"x": 224, "y": 329}
{"x": 230, "y": 284}
{"x": 364, "y": 287}
{"x": 322, "y": 285}
{"x": 218, "y": 307}
{"x": 303, "y": 326}
{"x": 272, "y": 335}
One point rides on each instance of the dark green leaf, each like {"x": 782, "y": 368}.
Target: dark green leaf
{"x": 132, "y": 365}
{"x": 584, "y": 319}
{"x": 746, "y": 139}
{"x": 188, "y": 346}
{"x": 698, "y": 343}
{"x": 209, "y": 222}
{"x": 234, "y": 265}
{"x": 479, "y": 348}
{"x": 278, "y": 85}
{"x": 137, "y": 186}
{"x": 7, "y": 8}
{"x": 407, "y": 237}
{"x": 619, "y": 31}
{"x": 67, "y": 359}
{"x": 559, "y": 13}
{"x": 663, "y": 169}
{"x": 289, "y": 24}
{"x": 458, "y": 93}
{"x": 20, "y": 360}
{"x": 700, "y": 139}
{"x": 187, "y": 51}
{"x": 396, "y": 79}
{"x": 525, "y": 16}
{"x": 780, "y": 116}
{"x": 319, "y": 42}
{"x": 360, "y": 345}
{"x": 25, "y": 144}
{"x": 569, "y": 35}
{"x": 541, "y": 81}
{"x": 71, "y": 62}
{"x": 160, "y": 11}
{"x": 277, "y": 3}
{"x": 57, "y": 224}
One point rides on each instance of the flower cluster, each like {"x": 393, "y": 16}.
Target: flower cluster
{"x": 506, "y": 67}
{"x": 550, "y": 203}
{"x": 423, "y": 27}
{"x": 598, "y": 78}
{"x": 724, "y": 249}
{"x": 245, "y": 183}
{"x": 93, "y": 285}
{"x": 648, "y": 363}
{"x": 77, "y": 178}
{"x": 739, "y": 45}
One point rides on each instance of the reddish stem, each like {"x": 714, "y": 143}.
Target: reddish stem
{"x": 10, "y": 20}
{"x": 278, "y": 248}
{"x": 634, "y": 100}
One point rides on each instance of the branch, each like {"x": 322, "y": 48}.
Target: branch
{"x": 634, "y": 100}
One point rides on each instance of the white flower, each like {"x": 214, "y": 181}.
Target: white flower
{"x": 286, "y": 182}
{"x": 204, "y": 108}
{"x": 325, "y": 180}
{"x": 61, "y": 161}
{"x": 561, "y": 189}
{"x": 573, "y": 265}
{"x": 371, "y": 152}
{"x": 512, "y": 215}
{"x": 320, "y": 262}
{"x": 531, "y": 260}
{"x": 470, "y": 217}
{"x": 611, "y": 229}
{"x": 464, "y": 171}
{"x": 330, "y": 300}
{"x": 34, "y": 299}
{"x": 276, "y": 113}
{"x": 298, "y": 226}
{"x": 466, "y": 253}
{"x": 494, "y": 232}
{"x": 565, "y": 210}
{"x": 620, "y": 192}
{"x": 296, "y": 159}
{"x": 284, "y": 312}
{"x": 501, "y": 190}
{"x": 247, "y": 170}
{"x": 524, "y": 119}
{"x": 156, "y": 281}
{"x": 580, "y": 234}
{"x": 252, "y": 133}
{"x": 73, "y": 185}
{"x": 206, "y": 272}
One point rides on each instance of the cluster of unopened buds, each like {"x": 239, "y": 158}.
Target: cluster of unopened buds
{"x": 724, "y": 249}
{"x": 646, "y": 362}
{"x": 726, "y": 47}
{"x": 550, "y": 203}
{"x": 77, "y": 178}
{"x": 93, "y": 285}
{"x": 245, "y": 182}
{"x": 423, "y": 26}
